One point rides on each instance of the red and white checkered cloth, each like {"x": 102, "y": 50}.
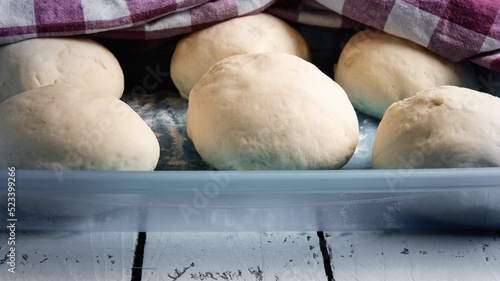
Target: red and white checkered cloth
{"x": 455, "y": 29}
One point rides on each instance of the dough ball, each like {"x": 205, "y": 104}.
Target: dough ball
{"x": 271, "y": 111}
{"x": 445, "y": 127}
{"x": 377, "y": 69}
{"x": 64, "y": 127}
{"x": 39, "y": 62}
{"x": 197, "y": 52}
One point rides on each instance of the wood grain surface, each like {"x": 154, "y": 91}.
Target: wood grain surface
{"x": 233, "y": 256}
{"x": 415, "y": 255}
{"x": 70, "y": 256}
{"x": 308, "y": 256}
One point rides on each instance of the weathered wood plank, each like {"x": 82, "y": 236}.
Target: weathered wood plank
{"x": 232, "y": 256}
{"x": 69, "y": 256}
{"x": 414, "y": 255}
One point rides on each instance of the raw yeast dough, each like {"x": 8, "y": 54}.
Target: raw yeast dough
{"x": 377, "y": 69}
{"x": 271, "y": 111}
{"x": 39, "y": 62}
{"x": 444, "y": 127}
{"x": 198, "y": 51}
{"x": 65, "y": 127}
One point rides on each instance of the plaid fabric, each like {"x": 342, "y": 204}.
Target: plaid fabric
{"x": 454, "y": 29}
{"x": 128, "y": 19}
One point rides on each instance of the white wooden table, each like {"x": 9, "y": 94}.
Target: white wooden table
{"x": 340, "y": 256}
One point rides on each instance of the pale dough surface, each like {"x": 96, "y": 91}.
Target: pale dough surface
{"x": 377, "y": 69}
{"x": 271, "y": 111}
{"x": 65, "y": 127}
{"x": 444, "y": 127}
{"x": 39, "y": 62}
{"x": 197, "y": 52}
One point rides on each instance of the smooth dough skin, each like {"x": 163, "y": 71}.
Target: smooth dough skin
{"x": 271, "y": 111}
{"x": 197, "y": 52}
{"x": 377, "y": 69}
{"x": 64, "y": 127}
{"x": 444, "y": 127}
{"x": 39, "y": 62}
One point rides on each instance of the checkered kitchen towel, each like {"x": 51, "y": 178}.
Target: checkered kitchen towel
{"x": 455, "y": 29}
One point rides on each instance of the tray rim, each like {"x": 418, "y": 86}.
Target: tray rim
{"x": 255, "y": 182}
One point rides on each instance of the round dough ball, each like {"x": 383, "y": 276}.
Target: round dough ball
{"x": 444, "y": 127}
{"x": 65, "y": 127}
{"x": 197, "y": 52}
{"x": 377, "y": 69}
{"x": 271, "y": 111}
{"x": 39, "y": 62}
